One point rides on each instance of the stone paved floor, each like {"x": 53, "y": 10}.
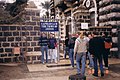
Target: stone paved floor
{"x": 41, "y": 72}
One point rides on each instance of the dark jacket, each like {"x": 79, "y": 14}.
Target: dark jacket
{"x": 96, "y": 46}
{"x": 66, "y": 42}
{"x": 52, "y": 43}
{"x": 71, "y": 43}
{"x": 43, "y": 41}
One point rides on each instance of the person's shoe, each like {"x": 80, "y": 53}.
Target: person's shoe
{"x": 102, "y": 74}
{"x": 106, "y": 68}
{"x": 96, "y": 75}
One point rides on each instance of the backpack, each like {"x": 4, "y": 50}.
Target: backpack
{"x": 108, "y": 45}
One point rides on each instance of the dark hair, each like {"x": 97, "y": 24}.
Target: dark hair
{"x": 95, "y": 33}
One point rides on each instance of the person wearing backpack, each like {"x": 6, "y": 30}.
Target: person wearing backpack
{"x": 80, "y": 50}
{"x": 108, "y": 45}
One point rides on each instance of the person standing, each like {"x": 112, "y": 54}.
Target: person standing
{"x": 71, "y": 44}
{"x": 52, "y": 46}
{"x": 80, "y": 50}
{"x": 96, "y": 48}
{"x": 87, "y": 38}
{"x": 43, "y": 41}
{"x": 66, "y": 49}
{"x": 108, "y": 45}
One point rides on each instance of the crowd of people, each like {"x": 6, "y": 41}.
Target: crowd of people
{"x": 93, "y": 46}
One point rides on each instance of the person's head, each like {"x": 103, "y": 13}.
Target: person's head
{"x": 43, "y": 35}
{"x": 81, "y": 34}
{"x": 90, "y": 36}
{"x": 95, "y": 34}
{"x": 51, "y": 35}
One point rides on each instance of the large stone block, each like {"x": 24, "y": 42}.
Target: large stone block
{"x": 33, "y": 43}
{"x": 18, "y": 38}
{"x": 8, "y": 49}
{"x": 36, "y": 28}
{"x": 32, "y": 23}
{"x": 7, "y": 33}
{"x": 35, "y": 18}
{"x": 16, "y": 34}
{"x": 5, "y": 28}
{"x": 6, "y": 44}
{"x": 10, "y": 38}
{"x": 1, "y": 33}
{"x": 1, "y": 50}
{"x": 12, "y": 27}
{"x": 36, "y": 48}
{"x": 29, "y": 27}
{"x": 36, "y": 38}
{"x": 29, "y": 38}
{"x": 30, "y": 49}
{"x": 38, "y": 14}
{"x": 33, "y": 33}
{"x": 2, "y": 39}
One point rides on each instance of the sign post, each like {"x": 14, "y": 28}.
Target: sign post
{"x": 49, "y": 26}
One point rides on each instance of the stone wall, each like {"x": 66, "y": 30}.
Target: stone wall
{"x": 26, "y": 35}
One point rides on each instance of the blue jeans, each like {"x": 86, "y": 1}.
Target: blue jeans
{"x": 91, "y": 60}
{"x": 44, "y": 49}
{"x": 81, "y": 57}
{"x": 66, "y": 50}
{"x": 71, "y": 56}
{"x": 95, "y": 59}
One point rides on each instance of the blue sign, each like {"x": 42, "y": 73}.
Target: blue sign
{"x": 49, "y": 26}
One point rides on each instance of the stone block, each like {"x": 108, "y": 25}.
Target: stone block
{"x": 5, "y": 28}
{"x": 33, "y": 33}
{"x": 36, "y": 28}
{"x": 7, "y": 33}
{"x": 29, "y": 38}
{"x": 23, "y": 33}
{"x": 30, "y": 49}
{"x": 29, "y": 28}
{"x": 35, "y": 18}
{"x": 12, "y": 27}
{"x": 33, "y": 43}
{"x": 10, "y": 38}
{"x": 37, "y": 14}
{"x": 27, "y": 18}
{"x": 8, "y": 49}
{"x": 1, "y": 33}
{"x": 36, "y": 48}
{"x": 32, "y": 23}
{"x": 6, "y": 44}
{"x": 1, "y": 50}
{"x": 36, "y": 38}
{"x": 2, "y": 39}
{"x": 18, "y": 38}
{"x": 27, "y": 33}
{"x": 18, "y": 28}
{"x": 16, "y": 34}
